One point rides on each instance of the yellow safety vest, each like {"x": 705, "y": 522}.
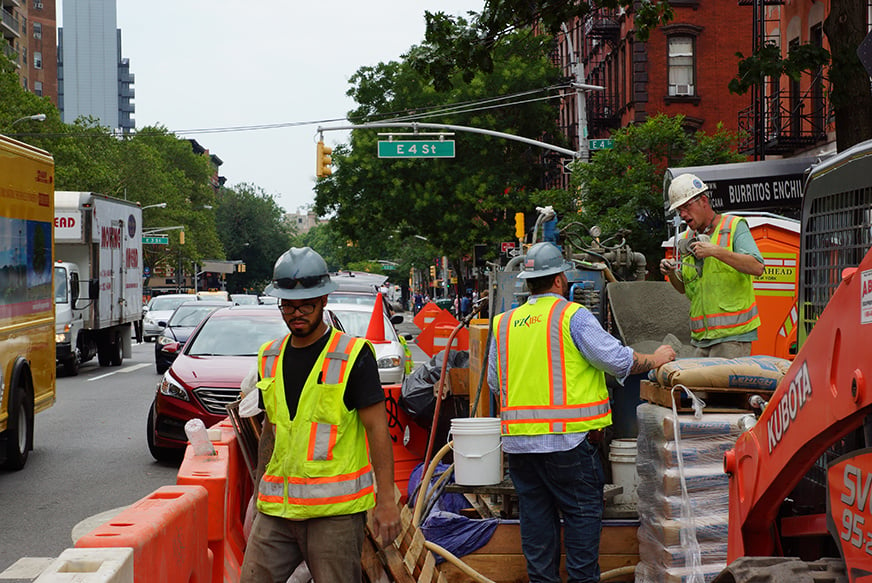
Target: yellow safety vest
{"x": 546, "y": 385}
{"x": 320, "y": 464}
{"x": 725, "y": 305}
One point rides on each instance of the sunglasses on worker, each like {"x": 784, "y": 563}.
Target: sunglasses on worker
{"x": 299, "y": 282}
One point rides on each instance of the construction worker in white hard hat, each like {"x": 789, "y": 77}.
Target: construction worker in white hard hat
{"x": 547, "y": 366}
{"x": 324, "y": 403}
{"x": 716, "y": 265}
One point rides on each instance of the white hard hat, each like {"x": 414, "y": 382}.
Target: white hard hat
{"x": 684, "y": 188}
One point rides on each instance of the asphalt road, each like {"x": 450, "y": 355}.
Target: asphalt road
{"x": 90, "y": 456}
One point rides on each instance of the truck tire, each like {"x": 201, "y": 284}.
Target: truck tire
{"x": 19, "y": 430}
{"x": 117, "y": 353}
{"x": 104, "y": 346}
{"x": 71, "y": 365}
{"x": 778, "y": 569}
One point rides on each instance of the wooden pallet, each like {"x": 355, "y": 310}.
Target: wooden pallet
{"x": 717, "y": 399}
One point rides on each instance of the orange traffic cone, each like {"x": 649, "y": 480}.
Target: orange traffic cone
{"x": 375, "y": 332}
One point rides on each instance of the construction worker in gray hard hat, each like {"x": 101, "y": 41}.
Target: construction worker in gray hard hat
{"x": 548, "y": 361}
{"x": 716, "y": 265}
{"x": 323, "y": 400}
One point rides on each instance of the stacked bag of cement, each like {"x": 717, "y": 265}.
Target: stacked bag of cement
{"x": 683, "y": 494}
{"x": 749, "y": 372}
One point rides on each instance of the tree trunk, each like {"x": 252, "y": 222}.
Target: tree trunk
{"x": 845, "y": 27}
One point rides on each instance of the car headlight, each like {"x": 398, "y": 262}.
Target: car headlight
{"x": 149, "y": 322}
{"x": 62, "y": 338}
{"x": 161, "y": 340}
{"x": 171, "y": 388}
{"x": 389, "y": 362}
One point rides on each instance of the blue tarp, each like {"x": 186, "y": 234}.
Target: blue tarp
{"x": 444, "y": 525}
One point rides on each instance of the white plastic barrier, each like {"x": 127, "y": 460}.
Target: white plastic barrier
{"x": 104, "y": 565}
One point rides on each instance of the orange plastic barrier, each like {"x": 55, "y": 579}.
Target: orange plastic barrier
{"x": 434, "y": 337}
{"x": 409, "y": 440}
{"x": 426, "y": 314}
{"x": 225, "y": 478}
{"x": 167, "y": 532}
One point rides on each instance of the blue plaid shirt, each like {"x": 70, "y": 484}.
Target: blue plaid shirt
{"x": 598, "y": 347}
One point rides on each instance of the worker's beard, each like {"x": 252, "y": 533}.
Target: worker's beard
{"x": 564, "y": 286}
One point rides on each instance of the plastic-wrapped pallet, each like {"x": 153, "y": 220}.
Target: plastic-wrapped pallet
{"x": 683, "y": 494}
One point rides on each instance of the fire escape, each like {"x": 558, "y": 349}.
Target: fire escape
{"x": 602, "y": 32}
{"x": 781, "y": 120}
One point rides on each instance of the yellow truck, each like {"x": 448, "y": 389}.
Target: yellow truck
{"x": 27, "y": 331}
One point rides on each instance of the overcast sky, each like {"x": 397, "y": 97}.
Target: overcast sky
{"x": 204, "y": 64}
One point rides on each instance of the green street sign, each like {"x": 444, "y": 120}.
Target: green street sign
{"x": 156, "y": 240}
{"x": 416, "y": 149}
{"x": 604, "y": 144}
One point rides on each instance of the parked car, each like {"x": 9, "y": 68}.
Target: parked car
{"x": 207, "y": 374}
{"x": 389, "y": 354}
{"x": 159, "y": 309}
{"x": 244, "y": 299}
{"x": 178, "y": 329}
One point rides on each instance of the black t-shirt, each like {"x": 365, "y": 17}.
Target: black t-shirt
{"x": 363, "y": 388}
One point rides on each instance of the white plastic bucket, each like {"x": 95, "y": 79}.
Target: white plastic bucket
{"x": 478, "y": 458}
{"x": 622, "y": 455}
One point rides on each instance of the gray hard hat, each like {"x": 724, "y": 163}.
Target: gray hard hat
{"x": 543, "y": 259}
{"x": 299, "y": 274}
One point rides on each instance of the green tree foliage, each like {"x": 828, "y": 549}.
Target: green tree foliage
{"x": 622, "y": 188}
{"x": 472, "y": 44}
{"x": 454, "y": 203}
{"x": 253, "y": 229}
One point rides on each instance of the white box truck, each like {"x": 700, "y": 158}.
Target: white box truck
{"x": 98, "y": 278}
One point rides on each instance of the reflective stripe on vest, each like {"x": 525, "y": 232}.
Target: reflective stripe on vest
{"x": 322, "y": 438}
{"x": 271, "y": 355}
{"x": 336, "y": 361}
{"x": 723, "y": 321}
{"x": 314, "y": 491}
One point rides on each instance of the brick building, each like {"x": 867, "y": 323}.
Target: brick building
{"x": 28, "y": 32}
{"x": 683, "y": 68}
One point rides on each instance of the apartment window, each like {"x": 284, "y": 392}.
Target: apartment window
{"x": 37, "y": 60}
{"x": 681, "y": 66}
{"x": 37, "y": 88}
{"x": 37, "y": 30}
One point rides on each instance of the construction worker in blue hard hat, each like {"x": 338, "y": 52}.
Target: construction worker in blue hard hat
{"x": 547, "y": 365}
{"x": 717, "y": 262}
{"x": 323, "y": 400}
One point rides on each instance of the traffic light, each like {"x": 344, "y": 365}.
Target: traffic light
{"x": 323, "y": 160}
{"x": 181, "y": 237}
{"x": 519, "y": 225}
{"x": 240, "y": 268}
{"x": 432, "y": 272}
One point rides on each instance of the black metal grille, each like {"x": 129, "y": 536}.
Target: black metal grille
{"x": 215, "y": 400}
{"x": 836, "y": 235}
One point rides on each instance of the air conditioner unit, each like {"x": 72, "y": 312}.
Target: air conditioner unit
{"x": 683, "y": 89}
{"x": 37, "y": 5}
{"x": 37, "y": 35}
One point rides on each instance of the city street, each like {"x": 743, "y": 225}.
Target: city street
{"x": 90, "y": 456}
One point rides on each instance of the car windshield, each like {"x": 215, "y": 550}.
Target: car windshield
{"x": 167, "y": 304}
{"x": 356, "y": 323}
{"x": 232, "y": 336}
{"x": 360, "y": 299}
{"x": 190, "y": 316}
{"x": 244, "y": 300}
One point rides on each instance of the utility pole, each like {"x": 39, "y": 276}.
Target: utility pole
{"x": 580, "y": 96}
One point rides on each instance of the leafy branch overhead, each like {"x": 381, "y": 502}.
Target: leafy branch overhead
{"x": 767, "y": 61}
{"x": 468, "y": 44}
